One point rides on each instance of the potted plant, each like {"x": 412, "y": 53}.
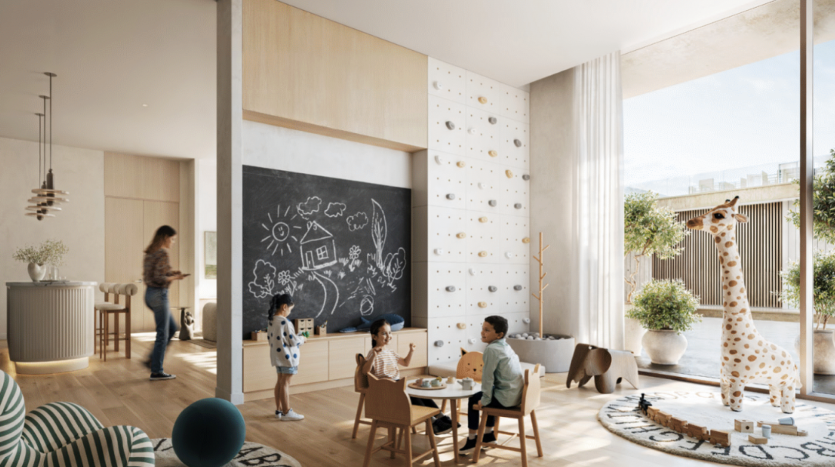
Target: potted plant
{"x": 648, "y": 230}
{"x": 823, "y": 296}
{"x": 50, "y": 252}
{"x": 666, "y": 309}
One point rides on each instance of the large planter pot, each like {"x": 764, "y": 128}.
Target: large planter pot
{"x": 554, "y": 355}
{"x": 664, "y": 347}
{"x": 36, "y": 272}
{"x": 633, "y": 333}
{"x": 824, "y": 351}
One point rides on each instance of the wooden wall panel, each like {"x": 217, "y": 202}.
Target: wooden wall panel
{"x": 123, "y": 245}
{"x": 140, "y": 177}
{"x": 760, "y": 245}
{"x": 306, "y": 72}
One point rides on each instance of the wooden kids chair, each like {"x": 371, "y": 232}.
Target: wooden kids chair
{"x": 360, "y": 386}
{"x": 470, "y": 365}
{"x": 388, "y": 406}
{"x": 530, "y": 401}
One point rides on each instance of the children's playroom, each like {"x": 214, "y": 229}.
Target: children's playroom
{"x": 372, "y": 233}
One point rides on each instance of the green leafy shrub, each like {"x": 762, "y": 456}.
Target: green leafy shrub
{"x": 665, "y": 305}
{"x": 823, "y": 203}
{"x": 823, "y": 293}
{"x": 649, "y": 230}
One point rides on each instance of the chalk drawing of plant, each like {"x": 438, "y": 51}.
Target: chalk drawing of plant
{"x": 263, "y": 283}
{"x": 354, "y": 254}
{"x": 395, "y": 265}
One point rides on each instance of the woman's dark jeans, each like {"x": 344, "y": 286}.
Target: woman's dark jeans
{"x": 156, "y": 298}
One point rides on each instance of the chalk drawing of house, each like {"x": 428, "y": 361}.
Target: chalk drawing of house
{"x": 318, "y": 248}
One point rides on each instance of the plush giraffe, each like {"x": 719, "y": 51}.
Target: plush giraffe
{"x": 747, "y": 357}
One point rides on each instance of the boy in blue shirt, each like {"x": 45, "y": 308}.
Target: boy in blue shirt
{"x": 502, "y": 380}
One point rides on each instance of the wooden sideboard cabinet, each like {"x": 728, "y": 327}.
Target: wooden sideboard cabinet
{"x": 326, "y": 362}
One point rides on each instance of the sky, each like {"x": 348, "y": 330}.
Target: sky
{"x": 741, "y": 117}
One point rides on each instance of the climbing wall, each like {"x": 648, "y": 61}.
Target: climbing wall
{"x": 470, "y": 211}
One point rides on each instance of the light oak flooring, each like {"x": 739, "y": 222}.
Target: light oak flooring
{"x": 118, "y": 393}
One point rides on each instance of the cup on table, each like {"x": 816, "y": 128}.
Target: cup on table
{"x": 419, "y": 381}
{"x": 450, "y": 380}
{"x": 426, "y": 383}
{"x": 436, "y": 383}
{"x": 766, "y": 431}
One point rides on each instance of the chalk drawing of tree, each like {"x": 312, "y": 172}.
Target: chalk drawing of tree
{"x": 264, "y": 279}
{"x": 395, "y": 265}
{"x": 379, "y": 230}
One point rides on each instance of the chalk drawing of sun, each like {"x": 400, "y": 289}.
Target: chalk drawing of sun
{"x": 280, "y": 231}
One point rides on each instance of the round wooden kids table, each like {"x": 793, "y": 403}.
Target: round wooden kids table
{"x": 453, "y": 392}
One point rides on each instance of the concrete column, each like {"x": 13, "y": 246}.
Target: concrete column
{"x": 229, "y": 201}
{"x": 552, "y": 203}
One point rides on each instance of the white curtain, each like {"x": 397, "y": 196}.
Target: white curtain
{"x": 598, "y": 196}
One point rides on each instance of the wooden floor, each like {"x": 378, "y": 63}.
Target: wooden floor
{"x": 118, "y": 393}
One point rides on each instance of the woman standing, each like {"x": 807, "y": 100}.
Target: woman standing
{"x": 158, "y": 276}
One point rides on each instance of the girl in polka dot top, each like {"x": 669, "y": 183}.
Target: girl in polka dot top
{"x": 284, "y": 354}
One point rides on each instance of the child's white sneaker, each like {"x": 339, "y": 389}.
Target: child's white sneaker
{"x": 278, "y": 414}
{"x": 291, "y": 416}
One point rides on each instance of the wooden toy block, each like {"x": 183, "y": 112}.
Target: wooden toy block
{"x": 652, "y": 412}
{"x": 259, "y": 336}
{"x": 757, "y": 439}
{"x": 722, "y": 438}
{"x": 303, "y": 325}
{"x": 699, "y": 432}
{"x": 744, "y": 426}
{"x": 785, "y": 429}
{"x": 663, "y": 418}
{"x": 679, "y": 425}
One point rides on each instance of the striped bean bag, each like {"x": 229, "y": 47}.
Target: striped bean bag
{"x": 62, "y": 434}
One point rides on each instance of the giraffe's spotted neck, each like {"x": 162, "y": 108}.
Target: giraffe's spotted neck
{"x": 734, "y": 294}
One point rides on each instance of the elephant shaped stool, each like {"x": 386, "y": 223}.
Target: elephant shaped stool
{"x": 609, "y": 368}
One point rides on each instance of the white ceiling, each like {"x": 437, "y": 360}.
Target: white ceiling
{"x": 518, "y": 42}
{"x": 113, "y": 56}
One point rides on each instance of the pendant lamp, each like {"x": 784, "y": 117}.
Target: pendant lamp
{"x": 47, "y": 196}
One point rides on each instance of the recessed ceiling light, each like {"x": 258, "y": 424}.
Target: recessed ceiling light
{"x": 144, "y": 105}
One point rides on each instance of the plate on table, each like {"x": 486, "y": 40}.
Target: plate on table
{"x": 415, "y": 385}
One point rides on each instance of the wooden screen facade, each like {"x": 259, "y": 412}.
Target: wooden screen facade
{"x": 760, "y": 244}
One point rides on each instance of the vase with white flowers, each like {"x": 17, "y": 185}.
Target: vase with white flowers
{"x": 50, "y": 252}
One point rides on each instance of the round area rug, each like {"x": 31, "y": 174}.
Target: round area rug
{"x": 251, "y": 454}
{"x": 623, "y": 418}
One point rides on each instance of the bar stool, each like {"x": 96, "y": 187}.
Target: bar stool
{"x": 97, "y": 316}
{"x": 116, "y": 308}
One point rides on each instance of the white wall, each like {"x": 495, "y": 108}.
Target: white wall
{"x": 205, "y": 204}
{"x": 80, "y": 224}
{"x": 296, "y": 151}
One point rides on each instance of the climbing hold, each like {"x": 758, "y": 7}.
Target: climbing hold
{"x": 461, "y": 235}
{"x": 492, "y": 202}
{"x": 482, "y": 99}
{"x": 493, "y": 153}
{"x": 451, "y": 196}
{"x": 509, "y": 173}
{"x": 472, "y": 131}
{"x": 439, "y": 160}
{"x": 517, "y": 287}
{"x": 492, "y": 288}
{"x": 471, "y": 271}
{"x": 526, "y": 240}
{"x": 439, "y": 251}
{"x": 438, "y": 85}
{"x": 518, "y": 143}
{"x": 526, "y": 320}
{"x": 450, "y": 125}
{"x": 439, "y": 343}
{"x": 482, "y": 254}
{"x": 517, "y": 205}
{"x": 482, "y": 304}
{"x": 526, "y": 177}
{"x": 471, "y": 340}
{"x": 462, "y": 325}
{"x": 482, "y": 219}
{"x": 508, "y": 254}
{"x": 492, "y": 120}
{"x": 450, "y": 288}
{"x": 480, "y": 185}
{"x": 461, "y": 164}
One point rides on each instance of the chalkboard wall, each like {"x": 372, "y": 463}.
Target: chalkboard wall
{"x": 339, "y": 247}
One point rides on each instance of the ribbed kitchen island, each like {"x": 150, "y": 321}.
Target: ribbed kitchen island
{"x": 50, "y": 325}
